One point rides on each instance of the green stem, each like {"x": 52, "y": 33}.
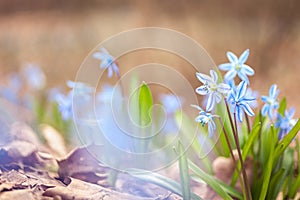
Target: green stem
{"x": 248, "y": 123}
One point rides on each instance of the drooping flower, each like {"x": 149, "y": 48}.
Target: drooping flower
{"x": 212, "y": 88}
{"x": 206, "y": 118}
{"x": 34, "y": 77}
{"x": 271, "y": 102}
{"x": 240, "y": 101}
{"x": 237, "y": 66}
{"x": 285, "y": 123}
{"x": 107, "y": 62}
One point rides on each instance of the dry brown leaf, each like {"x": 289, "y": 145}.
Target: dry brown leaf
{"x": 82, "y": 165}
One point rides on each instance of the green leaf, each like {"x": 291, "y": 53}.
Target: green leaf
{"x": 159, "y": 180}
{"x": 215, "y": 184}
{"x": 282, "y": 106}
{"x": 269, "y": 167}
{"x": 284, "y": 143}
{"x": 145, "y": 105}
{"x": 275, "y": 184}
{"x": 250, "y": 142}
{"x": 184, "y": 173}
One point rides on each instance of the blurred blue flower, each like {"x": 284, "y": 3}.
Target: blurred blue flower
{"x": 237, "y": 66}
{"x": 285, "y": 123}
{"x": 270, "y": 101}
{"x": 11, "y": 92}
{"x": 171, "y": 103}
{"x": 206, "y": 118}
{"x": 80, "y": 90}
{"x": 240, "y": 101}
{"x": 107, "y": 61}
{"x": 65, "y": 105}
{"x": 212, "y": 88}
{"x": 34, "y": 77}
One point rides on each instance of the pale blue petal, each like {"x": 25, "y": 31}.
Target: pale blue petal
{"x": 225, "y": 66}
{"x": 272, "y": 92}
{"x": 110, "y": 72}
{"x": 203, "y": 78}
{"x": 230, "y": 74}
{"x": 214, "y": 76}
{"x": 231, "y": 57}
{"x": 223, "y": 88}
{"x": 247, "y": 109}
{"x": 211, "y": 128}
{"x": 202, "y": 90}
{"x": 265, "y": 109}
{"x": 243, "y": 77}
{"x": 218, "y": 97}
{"x": 265, "y": 99}
{"x": 210, "y": 103}
{"x": 243, "y": 58}
{"x": 115, "y": 69}
{"x": 241, "y": 90}
{"x": 239, "y": 113}
{"x": 98, "y": 55}
{"x": 290, "y": 113}
{"x": 248, "y": 70}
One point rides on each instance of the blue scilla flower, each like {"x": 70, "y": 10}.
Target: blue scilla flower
{"x": 285, "y": 123}
{"x": 206, "y": 118}
{"x": 107, "y": 62}
{"x": 65, "y": 105}
{"x": 34, "y": 76}
{"x": 237, "y": 66}
{"x": 12, "y": 90}
{"x": 212, "y": 88}
{"x": 270, "y": 101}
{"x": 240, "y": 101}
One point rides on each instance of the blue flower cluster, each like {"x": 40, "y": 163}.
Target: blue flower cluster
{"x": 241, "y": 99}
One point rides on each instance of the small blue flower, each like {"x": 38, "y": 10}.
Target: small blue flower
{"x": 237, "y": 66}
{"x": 240, "y": 101}
{"x": 34, "y": 77}
{"x": 65, "y": 105}
{"x": 285, "y": 123}
{"x": 206, "y": 118}
{"x": 270, "y": 101}
{"x": 107, "y": 61}
{"x": 212, "y": 88}
{"x": 80, "y": 90}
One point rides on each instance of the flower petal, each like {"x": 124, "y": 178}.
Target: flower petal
{"x": 273, "y": 92}
{"x": 218, "y": 97}
{"x": 247, "y": 70}
{"x": 265, "y": 99}
{"x": 225, "y": 66}
{"x": 223, "y": 88}
{"x": 265, "y": 109}
{"x": 243, "y": 77}
{"x": 247, "y": 109}
{"x": 230, "y": 75}
{"x": 203, "y": 78}
{"x": 214, "y": 76}
{"x": 202, "y": 90}
{"x": 231, "y": 57}
{"x": 241, "y": 90}
{"x": 239, "y": 113}
{"x": 110, "y": 72}
{"x": 98, "y": 55}
{"x": 211, "y": 128}
{"x": 243, "y": 58}
{"x": 210, "y": 102}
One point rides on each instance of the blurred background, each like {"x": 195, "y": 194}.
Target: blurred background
{"x": 58, "y": 34}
